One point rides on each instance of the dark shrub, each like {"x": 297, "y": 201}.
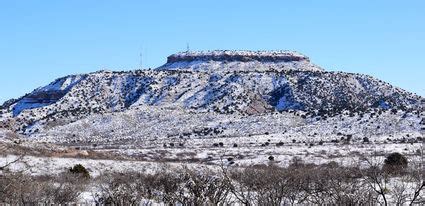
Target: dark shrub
{"x": 271, "y": 158}
{"x": 81, "y": 170}
{"x": 395, "y": 162}
{"x": 335, "y": 141}
{"x": 366, "y": 140}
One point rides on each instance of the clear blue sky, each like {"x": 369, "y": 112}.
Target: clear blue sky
{"x": 43, "y": 40}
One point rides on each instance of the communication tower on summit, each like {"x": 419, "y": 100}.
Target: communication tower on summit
{"x": 141, "y": 60}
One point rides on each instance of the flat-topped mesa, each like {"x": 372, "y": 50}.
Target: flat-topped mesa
{"x": 241, "y": 56}
{"x": 225, "y": 61}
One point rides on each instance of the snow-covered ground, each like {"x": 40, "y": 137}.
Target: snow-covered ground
{"x": 34, "y": 165}
{"x": 249, "y": 151}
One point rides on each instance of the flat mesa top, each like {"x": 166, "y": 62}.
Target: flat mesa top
{"x": 238, "y": 55}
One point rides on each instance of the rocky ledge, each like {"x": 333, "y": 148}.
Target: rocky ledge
{"x": 241, "y": 56}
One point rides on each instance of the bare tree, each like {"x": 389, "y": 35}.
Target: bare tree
{"x": 66, "y": 187}
{"x": 416, "y": 178}
{"x": 376, "y": 178}
{"x": 8, "y": 164}
{"x": 244, "y": 184}
{"x": 119, "y": 189}
{"x": 205, "y": 186}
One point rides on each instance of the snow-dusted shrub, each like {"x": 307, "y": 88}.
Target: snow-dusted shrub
{"x": 395, "y": 162}
{"x": 79, "y": 169}
{"x": 366, "y": 140}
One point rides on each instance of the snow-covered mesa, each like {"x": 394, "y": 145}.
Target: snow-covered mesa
{"x": 249, "y": 87}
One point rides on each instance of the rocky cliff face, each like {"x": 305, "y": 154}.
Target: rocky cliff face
{"x": 241, "y": 56}
{"x": 250, "y": 83}
{"x": 225, "y": 61}
{"x": 47, "y": 95}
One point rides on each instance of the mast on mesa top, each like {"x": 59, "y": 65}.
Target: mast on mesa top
{"x": 141, "y": 60}
{"x": 141, "y": 57}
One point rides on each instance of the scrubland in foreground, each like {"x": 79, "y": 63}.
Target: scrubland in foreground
{"x": 395, "y": 181}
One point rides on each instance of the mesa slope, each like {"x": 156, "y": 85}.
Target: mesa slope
{"x": 281, "y": 86}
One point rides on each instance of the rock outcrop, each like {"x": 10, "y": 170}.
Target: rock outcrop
{"x": 224, "y": 60}
{"x": 242, "y": 56}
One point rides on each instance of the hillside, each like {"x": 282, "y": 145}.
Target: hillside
{"x": 223, "y": 84}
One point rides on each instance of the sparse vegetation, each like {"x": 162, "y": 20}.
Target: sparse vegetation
{"x": 298, "y": 183}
